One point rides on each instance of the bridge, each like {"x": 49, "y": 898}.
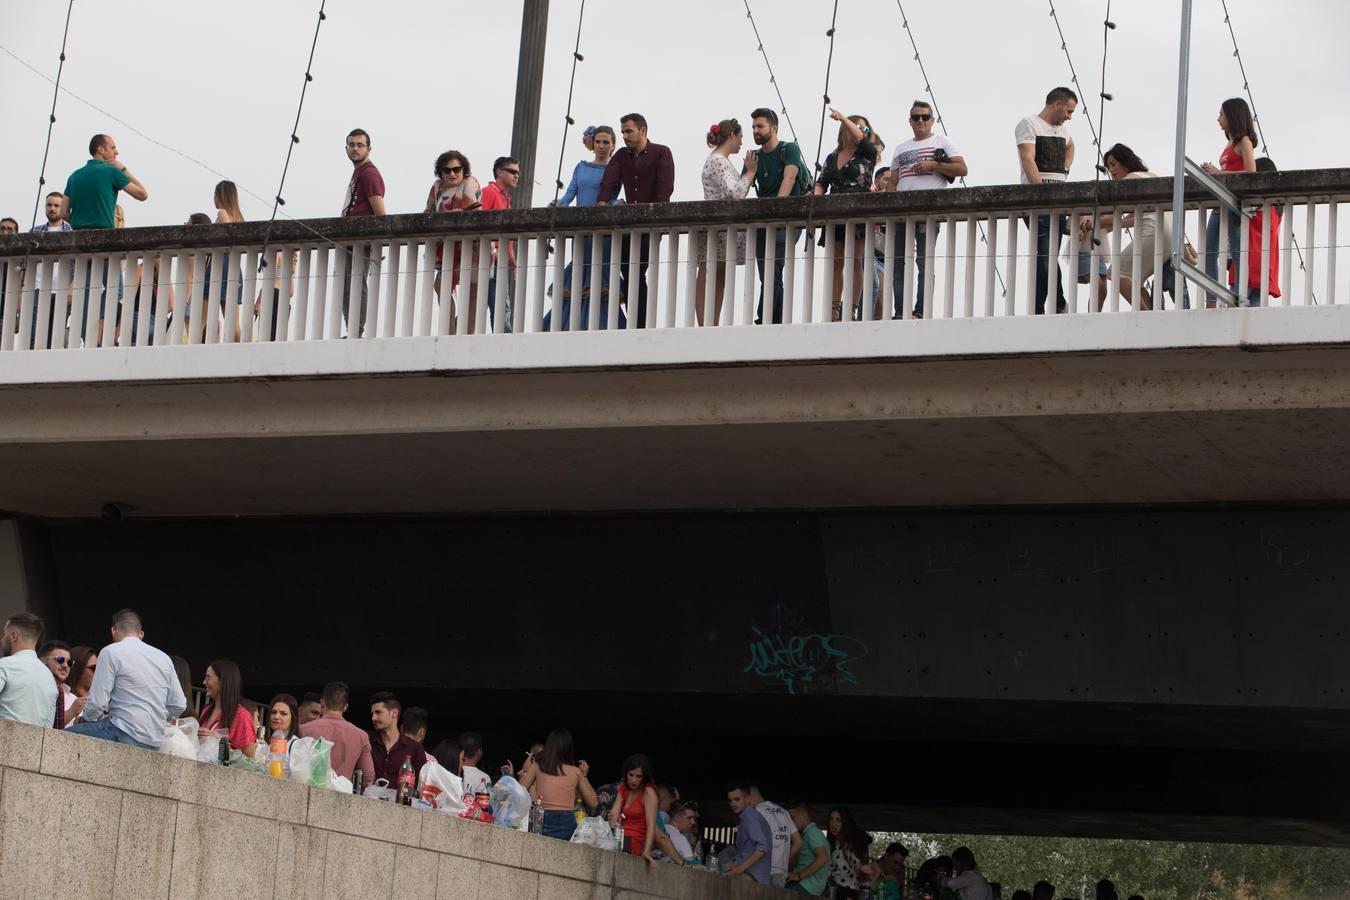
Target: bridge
{"x": 1082, "y": 569}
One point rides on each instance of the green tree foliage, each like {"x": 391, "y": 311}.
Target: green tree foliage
{"x": 1158, "y": 870}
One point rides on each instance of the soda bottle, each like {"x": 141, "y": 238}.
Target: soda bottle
{"x": 407, "y": 782}
{"x": 276, "y": 755}
{"x": 536, "y": 817}
{"x": 223, "y": 752}
{"x": 358, "y": 782}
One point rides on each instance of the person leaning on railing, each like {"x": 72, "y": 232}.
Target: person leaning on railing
{"x": 847, "y": 170}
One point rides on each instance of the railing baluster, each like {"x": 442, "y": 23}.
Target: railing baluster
{"x": 808, "y": 278}
{"x": 1010, "y": 289}
{"x": 196, "y": 307}
{"x": 179, "y": 288}
{"x": 968, "y": 308}
{"x": 43, "y": 287}
{"x": 234, "y": 295}
{"x": 1331, "y": 252}
{"x": 26, "y": 323}
{"x": 868, "y": 272}
{"x": 1310, "y": 235}
{"x": 268, "y": 295}
{"x": 790, "y": 314}
{"x": 1162, "y": 242}
{"x": 1136, "y": 260}
{"x": 63, "y": 301}
{"x": 654, "y": 270}
{"x": 990, "y": 265}
{"x": 949, "y": 270}
{"x": 1075, "y": 249}
{"x": 616, "y": 283}
{"x": 1113, "y": 292}
{"x": 1267, "y": 210}
{"x": 748, "y": 301}
{"x": 888, "y": 299}
{"x": 1096, "y": 302}
{"x": 634, "y": 275}
{"x": 534, "y": 310}
{"x": 709, "y": 246}
{"x": 849, "y": 294}
{"x": 729, "y": 283}
{"x": 212, "y": 296}
{"x": 282, "y": 330}
{"x": 671, "y": 300}
{"x": 827, "y": 288}
{"x": 482, "y": 281}
{"x": 384, "y": 327}
{"x": 1052, "y": 285}
{"x": 1242, "y": 267}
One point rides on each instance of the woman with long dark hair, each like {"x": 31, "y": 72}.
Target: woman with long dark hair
{"x": 848, "y": 170}
{"x": 1123, "y": 164}
{"x": 83, "y": 661}
{"x": 1239, "y": 155}
{"x": 848, "y": 852}
{"x": 223, "y": 713}
{"x": 554, "y": 780}
{"x": 283, "y": 714}
{"x": 635, "y": 807}
{"x": 184, "y": 672}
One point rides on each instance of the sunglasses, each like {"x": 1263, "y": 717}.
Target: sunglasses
{"x": 511, "y": 171}
{"x": 62, "y": 660}
{"x": 922, "y": 117}
{"x": 452, "y": 170}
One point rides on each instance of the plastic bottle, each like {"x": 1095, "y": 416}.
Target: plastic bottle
{"x": 536, "y": 817}
{"x": 407, "y": 782}
{"x": 223, "y": 752}
{"x": 358, "y": 782}
{"x": 276, "y": 755}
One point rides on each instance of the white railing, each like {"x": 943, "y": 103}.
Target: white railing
{"x": 228, "y": 288}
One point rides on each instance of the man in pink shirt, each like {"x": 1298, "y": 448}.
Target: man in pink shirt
{"x": 497, "y": 195}
{"x": 351, "y": 747}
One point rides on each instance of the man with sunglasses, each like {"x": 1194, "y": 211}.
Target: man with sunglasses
{"x": 55, "y": 655}
{"x": 925, "y": 163}
{"x": 497, "y": 195}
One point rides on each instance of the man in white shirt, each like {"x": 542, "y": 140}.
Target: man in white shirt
{"x": 1045, "y": 153}
{"x": 27, "y": 690}
{"x": 786, "y": 840}
{"x": 968, "y": 883}
{"x": 683, "y": 822}
{"x": 476, "y": 781}
{"x": 135, "y": 691}
{"x": 928, "y": 162}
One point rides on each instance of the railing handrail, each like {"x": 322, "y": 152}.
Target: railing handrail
{"x": 656, "y": 216}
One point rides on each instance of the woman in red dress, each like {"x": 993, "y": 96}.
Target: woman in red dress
{"x": 223, "y": 713}
{"x": 635, "y": 807}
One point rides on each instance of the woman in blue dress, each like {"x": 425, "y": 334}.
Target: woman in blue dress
{"x": 585, "y": 190}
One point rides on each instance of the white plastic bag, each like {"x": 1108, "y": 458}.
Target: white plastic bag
{"x": 594, "y": 832}
{"x": 440, "y": 787}
{"x": 180, "y": 739}
{"x": 208, "y": 745}
{"x": 338, "y": 783}
{"x": 510, "y": 803}
{"x": 380, "y": 790}
{"x": 309, "y": 758}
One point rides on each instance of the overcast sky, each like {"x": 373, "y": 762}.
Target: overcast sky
{"x": 219, "y": 82}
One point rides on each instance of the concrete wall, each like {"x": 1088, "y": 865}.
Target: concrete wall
{"x": 87, "y": 818}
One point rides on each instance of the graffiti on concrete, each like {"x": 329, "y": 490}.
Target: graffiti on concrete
{"x": 785, "y": 653}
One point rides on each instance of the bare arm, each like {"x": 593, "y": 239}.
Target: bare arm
{"x": 789, "y": 179}
{"x": 649, "y": 804}
{"x": 135, "y": 190}
{"x": 1068, "y": 154}
{"x": 377, "y": 205}
{"x": 1026, "y": 154}
{"x": 1248, "y": 153}
{"x": 955, "y": 167}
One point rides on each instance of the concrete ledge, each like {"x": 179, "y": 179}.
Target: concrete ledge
{"x": 87, "y": 818}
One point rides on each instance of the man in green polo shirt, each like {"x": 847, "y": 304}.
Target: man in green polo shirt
{"x": 91, "y": 202}
{"x": 91, "y": 191}
{"x": 781, "y": 172}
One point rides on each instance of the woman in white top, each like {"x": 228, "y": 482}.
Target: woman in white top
{"x": 1123, "y": 164}
{"x": 721, "y": 181}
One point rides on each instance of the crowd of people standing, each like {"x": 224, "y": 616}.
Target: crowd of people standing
{"x": 641, "y": 171}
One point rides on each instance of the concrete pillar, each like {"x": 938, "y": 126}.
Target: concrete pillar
{"x": 24, "y": 582}
{"x": 529, "y": 88}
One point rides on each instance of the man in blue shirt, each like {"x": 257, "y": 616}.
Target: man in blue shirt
{"x": 754, "y": 841}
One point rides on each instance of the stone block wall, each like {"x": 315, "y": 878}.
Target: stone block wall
{"x": 91, "y": 819}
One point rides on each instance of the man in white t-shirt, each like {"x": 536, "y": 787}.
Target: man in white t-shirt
{"x": 476, "y": 781}
{"x": 786, "y": 840}
{"x": 928, "y": 162}
{"x": 1045, "y": 152}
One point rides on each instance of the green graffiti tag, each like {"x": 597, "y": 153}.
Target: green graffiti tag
{"x": 804, "y": 661}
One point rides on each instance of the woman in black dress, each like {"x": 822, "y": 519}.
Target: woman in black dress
{"x": 848, "y": 170}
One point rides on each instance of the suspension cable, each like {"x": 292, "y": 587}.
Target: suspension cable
{"x": 51, "y": 117}
{"x": 825, "y": 105}
{"x": 1107, "y": 27}
{"x": 1256, "y": 119}
{"x": 295, "y": 136}
{"x": 937, "y": 115}
{"x": 773, "y": 79}
{"x": 568, "y": 120}
{"x": 1064, "y": 45}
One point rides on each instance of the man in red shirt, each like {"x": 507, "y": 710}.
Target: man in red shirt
{"x": 497, "y": 195}
{"x": 647, "y": 173}
{"x": 364, "y": 197}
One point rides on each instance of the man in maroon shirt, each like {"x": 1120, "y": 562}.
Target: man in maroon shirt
{"x": 389, "y": 746}
{"x": 647, "y": 173}
{"x": 351, "y": 747}
{"x": 364, "y": 197}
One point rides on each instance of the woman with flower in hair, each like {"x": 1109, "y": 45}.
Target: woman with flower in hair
{"x": 721, "y": 181}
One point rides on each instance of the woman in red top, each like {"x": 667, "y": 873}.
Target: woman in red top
{"x": 635, "y": 807}
{"x": 222, "y": 713}
{"x": 1235, "y": 118}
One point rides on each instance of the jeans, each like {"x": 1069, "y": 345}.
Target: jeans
{"x": 779, "y": 251}
{"x": 920, "y": 263}
{"x": 637, "y": 318}
{"x": 1235, "y": 223}
{"x": 506, "y": 304}
{"x": 347, "y": 290}
{"x": 1043, "y": 261}
{"x": 105, "y": 730}
{"x": 559, "y": 823}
